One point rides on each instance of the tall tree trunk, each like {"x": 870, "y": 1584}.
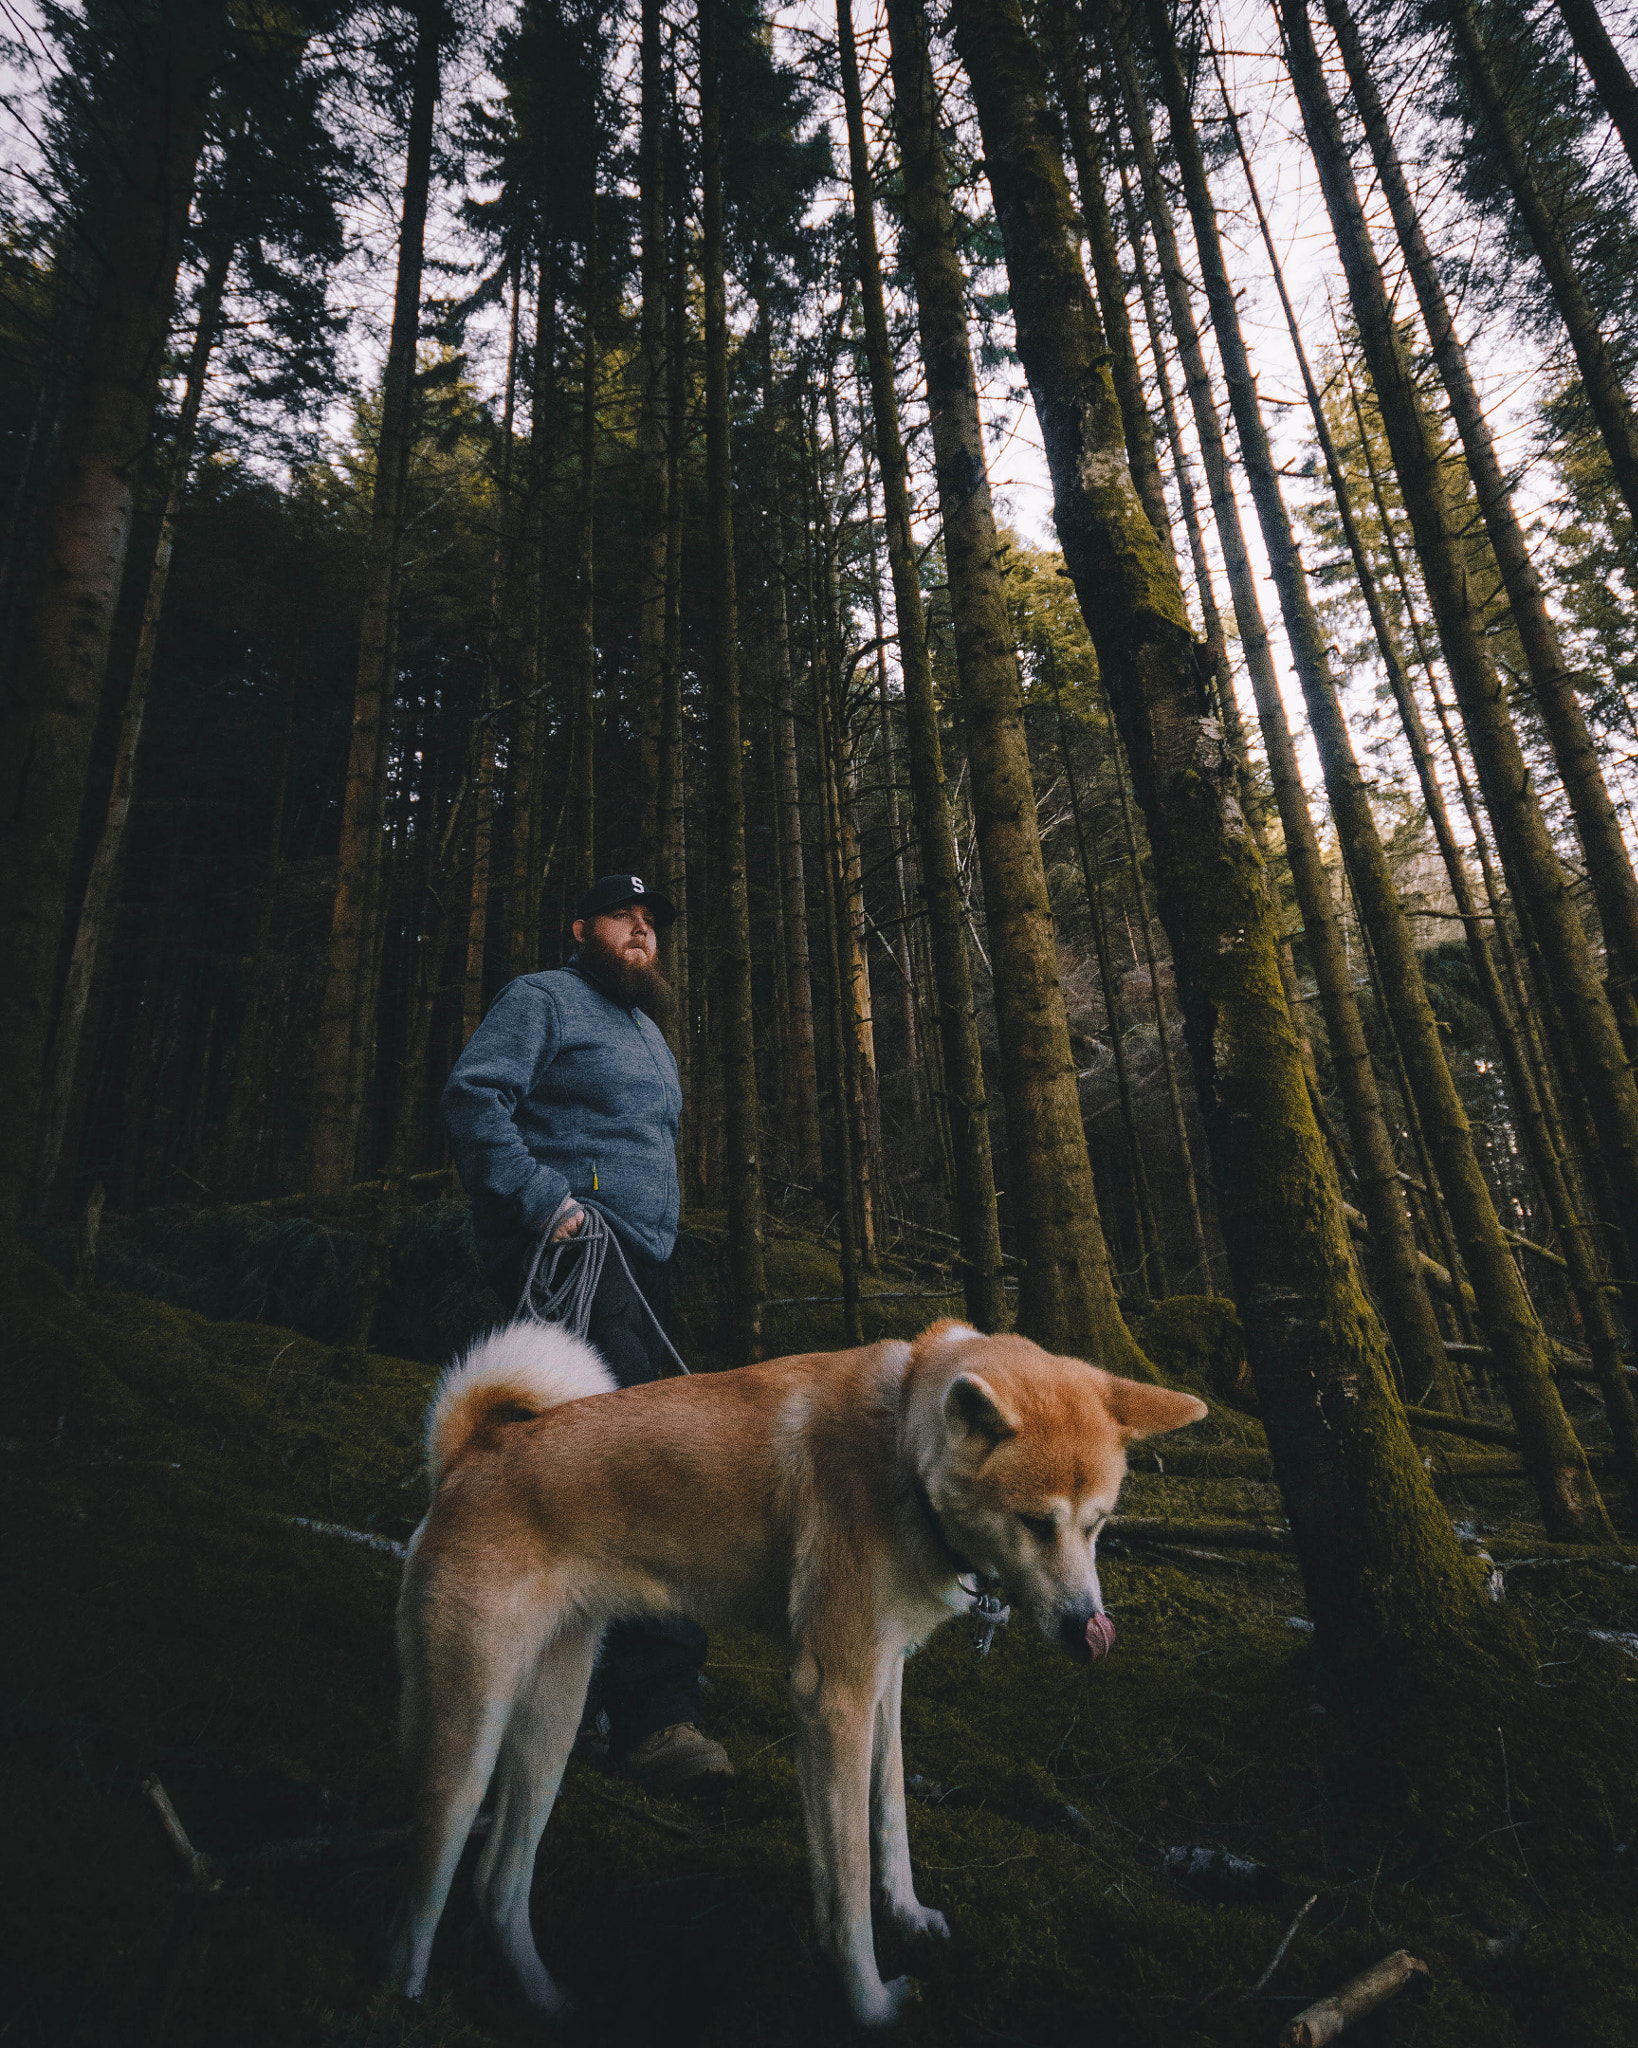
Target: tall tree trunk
{"x": 968, "y": 1112}
{"x": 500, "y": 592}
{"x": 1066, "y": 1295}
{"x": 1168, "y": 1066}
{"x": 1557, "y": 1463}
{"x": 1553, "y": 688}
{"x": 526, "y": 750}
{"x": 653, "y": 469}
{"x": 1406, "y": 1308}
{"x": 671, "y": 774}
{"x": 1152, "y": 1279}
{"x": 802, "y": 1067}
{"x": 54, "y": 680}
{"x": 1600, "y": 373}
{"x": 1383, "y": 1572}
{"x": 1528, "y": 855}
{"x": 90, "y": 932}
{"x": 581, "y": 801}
{"x": 334, "y": 1136}
{"x": 1615, "y": 84}
{"x": 1068, "y": 60}
{"x": 733, "y": 920}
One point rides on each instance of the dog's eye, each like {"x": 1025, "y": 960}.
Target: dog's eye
{"x": 1041, "y": 1526}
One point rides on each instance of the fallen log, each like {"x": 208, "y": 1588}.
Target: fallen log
{"x": 1332, "y": 2016}
{"x": 1203, "y": 1461}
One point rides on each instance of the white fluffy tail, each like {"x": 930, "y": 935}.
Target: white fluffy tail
{"x": 515, "y": 1373}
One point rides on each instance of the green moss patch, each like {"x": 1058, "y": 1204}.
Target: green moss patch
{"x": 167, "y": 1615}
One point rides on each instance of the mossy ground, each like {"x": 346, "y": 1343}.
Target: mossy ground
{"x": 166, "y": 1615}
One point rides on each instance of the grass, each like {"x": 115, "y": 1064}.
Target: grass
{"x": 165, "y": 1614}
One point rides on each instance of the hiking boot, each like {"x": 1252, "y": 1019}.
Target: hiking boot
{"x": 680, "y": 1759}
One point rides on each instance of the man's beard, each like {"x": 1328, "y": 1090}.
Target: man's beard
{"x": 638, "y": 982}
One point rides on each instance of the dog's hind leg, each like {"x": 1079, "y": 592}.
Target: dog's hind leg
{"x": 894, "y": 1882}
{"x": 835, "y": 1711}
{"x": 535, "y": 1750}
{"x": 459, "y": 1702}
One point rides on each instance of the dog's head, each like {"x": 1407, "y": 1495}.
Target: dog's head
{"x": 1021, "y": 1456}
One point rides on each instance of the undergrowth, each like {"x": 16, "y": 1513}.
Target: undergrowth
{"x": 168, "y": 1615}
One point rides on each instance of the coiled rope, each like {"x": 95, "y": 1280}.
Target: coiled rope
{"x": 568, "y": 1301}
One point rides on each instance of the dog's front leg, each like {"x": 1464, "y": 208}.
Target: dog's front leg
{"x": 893, "y": 1878}
{"x": 835, "y": 1716}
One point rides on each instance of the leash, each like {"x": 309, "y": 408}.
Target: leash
{"x": 568, "y": 1302}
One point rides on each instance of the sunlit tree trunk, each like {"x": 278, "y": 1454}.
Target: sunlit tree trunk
{"x": 1397, "y": 1269}
{"x": 1557, "y": 1463}
{"x": 1066, "y": 1295}
{"x": 1595, "y": 359}
{"x": 581, "y": 801}
{"x": 1609, "y": 865}
{"x": 965, "y": 1104}
{"x": 1528, "y": 855}
{"x": 1381, "y": 1564}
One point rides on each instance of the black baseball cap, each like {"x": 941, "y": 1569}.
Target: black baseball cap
{"x": 614, "y": 892}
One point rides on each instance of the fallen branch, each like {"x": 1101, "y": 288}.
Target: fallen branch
{"x": 389, "y": 1544}
{"x": 1289, "y": 1936}
{"x": 688, "y": 1829}
{"x": 1362, "y": 1994}
{"x": 201, "y": 1878}
{"x": 1459, "y": 1425}
{"x": 1221, "y": 1535}
{"x": 1203, "y": 1461}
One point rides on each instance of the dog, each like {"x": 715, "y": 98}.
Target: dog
{"x": 845, "y": 1503}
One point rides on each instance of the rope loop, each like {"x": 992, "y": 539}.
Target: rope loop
{"x": 567, "y": 1302}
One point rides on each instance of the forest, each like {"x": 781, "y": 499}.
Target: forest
{"x": 1091, "y": 548}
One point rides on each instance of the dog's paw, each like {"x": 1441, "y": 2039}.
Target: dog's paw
{"x": 917, "y": 1922}
{"x": 881, "y": 2004}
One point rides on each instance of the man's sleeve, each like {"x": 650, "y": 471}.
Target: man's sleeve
{"x": 500, "y": 1065}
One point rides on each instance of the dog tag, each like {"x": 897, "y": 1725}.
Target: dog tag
{"x": 990, "y": 1613}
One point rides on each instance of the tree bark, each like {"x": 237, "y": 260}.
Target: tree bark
{"x": 500, "y": 591}
{"x": 53, "y": 686}
{"x": 90, "y": 930}
{"x": 1600, "y": 374}
{"x": 1383, "y": 1572}
{"x": 1066, "y": 1295}
{"x": 1558, "y": 1465}
{"x": 1552, "y": 686}
{"x": 732, "y": 930}
{"x": 334, "y": 1134}
{"x": 581, "y": 802}
{"x": 1606, "y": 69}
{"x": 1406, "y": 1308}
{"x": 1528, "y": 855}
{"x": 803, "y": 1102}
{"x": 653, "y": 469}
{"x": 965, "y": 1103}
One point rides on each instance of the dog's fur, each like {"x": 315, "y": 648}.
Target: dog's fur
{"x": 793, "y": 1496}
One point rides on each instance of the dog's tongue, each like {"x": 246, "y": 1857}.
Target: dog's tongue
{"x": 1100, "y": 1636}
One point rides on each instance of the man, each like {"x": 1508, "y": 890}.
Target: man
{"x": 568, "y": 1093}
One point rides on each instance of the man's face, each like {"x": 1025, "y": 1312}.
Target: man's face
{"x": 627, "y": 934}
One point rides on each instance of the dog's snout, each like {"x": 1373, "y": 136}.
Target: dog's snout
{"x": 1086, "y": 1635}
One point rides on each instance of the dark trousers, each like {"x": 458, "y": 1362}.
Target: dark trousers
{"x": 648, "y": 1676}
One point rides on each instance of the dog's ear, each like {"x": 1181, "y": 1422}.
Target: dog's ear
{"x": 972, "y": 1408}
{"x": 1139, "y": 1409}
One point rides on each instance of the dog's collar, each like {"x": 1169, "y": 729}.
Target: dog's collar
{"x": 963, "y": 1567}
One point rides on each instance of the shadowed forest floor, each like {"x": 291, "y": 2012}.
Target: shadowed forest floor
{"x": 166, "y": 1615}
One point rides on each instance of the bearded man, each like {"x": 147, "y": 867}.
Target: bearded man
{"x": 567, "y": 1093}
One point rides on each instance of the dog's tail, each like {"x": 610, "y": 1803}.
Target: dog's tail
{"x": 510, "y": 1375}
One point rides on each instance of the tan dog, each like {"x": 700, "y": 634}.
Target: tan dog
{"x": 845, "y": 1503}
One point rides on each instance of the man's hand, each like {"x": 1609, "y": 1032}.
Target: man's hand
{"x": 569, "y": 1226}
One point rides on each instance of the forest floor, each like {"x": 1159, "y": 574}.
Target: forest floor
{"x": 167, "y": 1615}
